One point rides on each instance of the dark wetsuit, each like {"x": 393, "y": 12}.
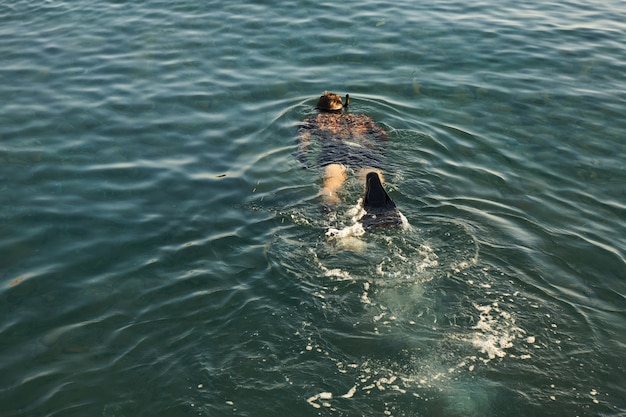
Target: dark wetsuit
{"x": 353, "y": 140}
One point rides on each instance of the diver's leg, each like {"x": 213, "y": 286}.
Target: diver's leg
{"x": 334, "y": 177}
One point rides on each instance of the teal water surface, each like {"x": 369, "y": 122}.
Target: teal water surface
{"x": 164, "y": 254}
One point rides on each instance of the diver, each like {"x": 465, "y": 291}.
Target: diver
{"x": 350, "y": 143}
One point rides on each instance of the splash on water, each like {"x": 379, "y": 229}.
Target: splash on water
{"x": 443, "y": 319}
{"x": 496, "y": 331}
{"x": 346, "y": 235}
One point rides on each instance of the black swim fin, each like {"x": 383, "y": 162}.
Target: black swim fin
{"x": 380, "y": 208}
{"x": 376, "y": 198}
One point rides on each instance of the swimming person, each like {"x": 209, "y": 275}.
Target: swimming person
{"x": 350, "y": 143}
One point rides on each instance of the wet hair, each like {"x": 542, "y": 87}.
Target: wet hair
{"x": 331, "y": 102}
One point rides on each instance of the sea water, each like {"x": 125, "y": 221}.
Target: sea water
{"x": 164, "y": 254}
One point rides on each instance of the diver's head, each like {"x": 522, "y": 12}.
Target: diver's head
{"x": 331, "y": 102}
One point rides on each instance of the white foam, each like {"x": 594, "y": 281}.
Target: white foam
{"x": 365, "y": 296}
{"x": 347, "y": 238}
{"x": 336, "y": 273}
{"x": 497, "y": 331}
{"x": 321, "y": 396}
{"x": 350, "y": 393}
{"x": 405, "y": 221}
{"x": 355, "y": 230}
